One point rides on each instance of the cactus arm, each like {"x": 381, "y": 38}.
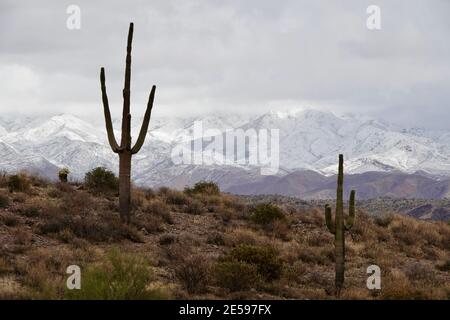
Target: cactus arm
{"x": 329, "y": 219}
{"x": 351, "y": 212}
{"x": 126, "y": 92}
{"x": 145, "y": 123}
{"x": 109, "y": 127}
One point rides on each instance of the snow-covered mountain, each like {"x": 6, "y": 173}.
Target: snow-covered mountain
{"x": 308, "y": 140}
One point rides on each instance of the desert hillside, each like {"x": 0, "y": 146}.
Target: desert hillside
{"x": 201, "y": 243}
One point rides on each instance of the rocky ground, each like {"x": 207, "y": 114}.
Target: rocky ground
{"x": 202, "y": 244}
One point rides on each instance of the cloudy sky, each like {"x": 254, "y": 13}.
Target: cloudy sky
{"x": 230, "y": 55}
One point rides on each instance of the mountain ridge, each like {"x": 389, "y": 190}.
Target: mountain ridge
{"x": 309, "y": 140}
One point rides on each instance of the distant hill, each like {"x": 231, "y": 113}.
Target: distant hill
{"x": 311, "y": 185}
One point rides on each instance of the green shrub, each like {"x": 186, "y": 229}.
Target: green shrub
{"x": 120, "y": 277}
{"x": 101, "y": 180}
{"x": 236, "y": 275}
{"x": 204, "y": 187}
{"x": 266, "y": 213}
{"x": 265, "y": 259}
{"x": 19, "y": 182}
{"x": 62, "y": 174}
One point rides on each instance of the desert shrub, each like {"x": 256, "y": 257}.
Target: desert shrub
{"x": 225, "y": 214}
{"x": 89, "y": 228}
{"x": 158, "y": 208}
{"x": 38, "y": 180}
{"x": 63, "y": 174}
{"x": 9, "y": 220}
{"x": 54, "y": 193}
{"x": 31, "y": 211}
{"x": 215, "y": 238}
{"x": 405, "y": 233}
{"x": 149, "y": 222}
{"x": 234, "y": 203}
{"x": 430, "y": 234}
{"x": 177, "y": 198}
{"x": 236, "y": 275}
{"x": 193, "y": 273}
{"x": 77, "y": 203}
{"x": 204, "y": 187}
{"x": 313, "y": 217}
{"x": 318, "y": 239}
{"x": 22, "y": 237}
{"x": 19, "y": 182}
{"x": 444, "y": 266}
{"x": 265, "y": 259}
{"x": 3, "y": 179}
{"x": 119, "y": 277}
{"x": 4, "y": 200}
{"x": 314, "y": 255}
{"x": 242, "y": 235}
{"x": 64, "y": 187}
{"x": 266, "y": 213}
{"x": 101, "y": 180}
{"x": 149, "y": 193}
{"x": 66, "y": 236}
{"x": 166, "y": 239}
{"x": 194, "y": 207}
{"x": 398, "y": 287}
{"x": 418, "y": 271}
{"x": 295, "y": 272}
{"x": 384, "y": 220}
{"x": 5, "y": 266}
{"x": 281, "y": 229}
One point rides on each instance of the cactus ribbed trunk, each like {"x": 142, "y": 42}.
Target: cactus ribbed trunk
{"x": 339, "y": 226}
{"x": 125, "y": 186}
{"x": 125, "y": 150}
{"x": 339, "y": 236}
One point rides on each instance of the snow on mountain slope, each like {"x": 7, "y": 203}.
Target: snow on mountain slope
{"x": 65, "y": 125}
{"x": 309, "y": 140}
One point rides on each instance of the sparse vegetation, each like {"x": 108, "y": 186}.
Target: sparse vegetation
{"x": 218, "y": 252}
{"x": 4, "y": 200}
{"x": 19, "y": 183}
{"x": 264, "y": 259}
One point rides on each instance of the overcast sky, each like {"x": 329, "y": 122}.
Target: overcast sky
{"x": 245, "y": 56}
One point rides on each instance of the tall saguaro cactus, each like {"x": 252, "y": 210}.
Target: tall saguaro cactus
{"x": 125, "y": 150}
{"x": 339, "y": 226}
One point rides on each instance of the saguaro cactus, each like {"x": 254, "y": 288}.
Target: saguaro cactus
{"x": 125, "y": 150}
{"x": 339, "y": 226}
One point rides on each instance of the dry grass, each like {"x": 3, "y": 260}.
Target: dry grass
{"x": 207, "y": 245}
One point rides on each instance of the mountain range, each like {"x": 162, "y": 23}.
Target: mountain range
{"x": 381, "y": 159}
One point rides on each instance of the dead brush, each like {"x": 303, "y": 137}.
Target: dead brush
{"x": 193, "y": 273}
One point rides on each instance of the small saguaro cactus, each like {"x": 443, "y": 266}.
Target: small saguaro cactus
{"x": 125, "y": 150}
{"x": 63, "y": 174}
{"x": 339, "y": 226}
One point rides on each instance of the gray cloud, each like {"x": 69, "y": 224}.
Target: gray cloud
{"x": 243, "y": 56}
